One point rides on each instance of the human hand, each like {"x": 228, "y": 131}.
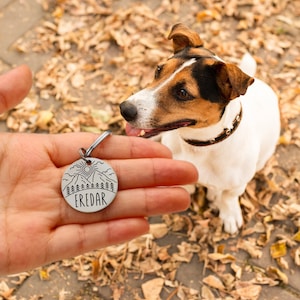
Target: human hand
{"x": 37, "y": 226}
{"x": 14, "y": 86}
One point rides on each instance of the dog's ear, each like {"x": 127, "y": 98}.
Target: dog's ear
{"x": 183, "y": 37}
{"x": 231, "y": 80}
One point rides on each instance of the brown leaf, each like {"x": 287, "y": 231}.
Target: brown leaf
{"x": 224, "y": 258}
{"x": 149, "y": 265}
{"x": 163, "y": 254}
{"x": 248, "y": 292}
{"x": 152, "y": 288}
{"x": 282, "y": 263}
{"x": 275, "y": 273}
{"x": 278, "y": 249}
{"x": 214, "y": 282}
{"x": 250, "y": 247}
{"x": 5, "y": 291}
{"x": 158, "y": 230}
{"x": 206, "y": 293}
{"x": 237, "y": 270}
{"x": 296, "y": 236}
{"x": 44, "y": 274}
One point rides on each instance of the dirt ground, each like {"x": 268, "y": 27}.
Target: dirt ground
{"x": 87, "y": 57}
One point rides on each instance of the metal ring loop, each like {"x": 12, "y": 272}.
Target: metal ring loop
{"x": 82, "y": 153}
{"x": 87, "y": 153}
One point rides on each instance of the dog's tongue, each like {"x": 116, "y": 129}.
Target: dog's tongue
{"x": 132, "y": 131}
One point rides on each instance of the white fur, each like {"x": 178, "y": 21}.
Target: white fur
{"x": 225, "y": 168}
{"x": 248, "y": 64}
{"x": 184, "y": 65}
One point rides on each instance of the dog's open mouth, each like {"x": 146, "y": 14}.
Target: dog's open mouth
{"x": 147, "y": 133}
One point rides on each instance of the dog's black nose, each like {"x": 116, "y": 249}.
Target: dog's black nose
{"x": 128, "y": 111}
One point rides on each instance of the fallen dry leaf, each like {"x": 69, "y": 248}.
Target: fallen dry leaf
{"x": 250, "y": 292}
{"x": 149, "y": 265}
{"x": 214, "y": 282}
{"x": 278, "y": 249}
{"x": 275, "y": 273}
{"x": 158, "y": 230}
{"x": 224, "y": 258}
{"x": 250, "y": 247}
{"x": 5, "y": 290}
{"x": 152, "y": 288}
{"x": 206, "y": 293}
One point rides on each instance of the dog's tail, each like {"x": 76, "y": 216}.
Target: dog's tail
{"x": 248, "y": 64}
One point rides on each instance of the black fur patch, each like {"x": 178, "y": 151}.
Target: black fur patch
{"x": 206, "y": 75}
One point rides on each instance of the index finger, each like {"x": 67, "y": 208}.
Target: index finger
{"x": 63, "y": 149}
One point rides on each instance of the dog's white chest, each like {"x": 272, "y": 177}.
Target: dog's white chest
{"x": 234, "y": 161}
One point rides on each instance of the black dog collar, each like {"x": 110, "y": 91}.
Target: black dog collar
{"x": 221, "y": 137}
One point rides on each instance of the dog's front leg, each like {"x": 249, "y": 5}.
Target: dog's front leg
{"x": 229, "y": 208}
{"x": 230, "y": 213}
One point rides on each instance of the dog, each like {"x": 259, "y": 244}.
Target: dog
{"x": 212, "y": 114}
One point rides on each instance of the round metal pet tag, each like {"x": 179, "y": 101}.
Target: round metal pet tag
{"x": 89, "y": 184}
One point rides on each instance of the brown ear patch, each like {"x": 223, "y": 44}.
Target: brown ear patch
{"x": 184, "y": 37}
{"x": 232, "y": 81}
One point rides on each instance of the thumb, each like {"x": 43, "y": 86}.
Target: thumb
{"x": 14, "y": 86}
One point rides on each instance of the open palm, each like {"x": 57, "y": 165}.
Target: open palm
{"x": 36, "y": 224}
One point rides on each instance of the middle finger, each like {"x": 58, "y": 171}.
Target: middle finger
{"x": 150, "y": 172}
{"x": 153, "y": 172}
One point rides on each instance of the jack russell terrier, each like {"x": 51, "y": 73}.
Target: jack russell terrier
{"x": 211, "y": 114}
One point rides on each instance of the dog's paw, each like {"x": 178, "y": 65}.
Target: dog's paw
{"x": 232, "y": 220}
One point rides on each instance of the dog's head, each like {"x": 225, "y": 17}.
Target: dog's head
{"x": 191, "y": 88}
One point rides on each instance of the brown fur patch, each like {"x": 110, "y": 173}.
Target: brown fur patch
{"x": 169, "y": 109}
{"x": 168, "y": 68}
{"x": 203, "y": 112}
{"x": 230, "y": 81}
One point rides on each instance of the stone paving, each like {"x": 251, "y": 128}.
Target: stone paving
{"x": 17, "y": 18}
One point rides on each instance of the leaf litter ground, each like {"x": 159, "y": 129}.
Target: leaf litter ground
{"x": 103, "y": 51}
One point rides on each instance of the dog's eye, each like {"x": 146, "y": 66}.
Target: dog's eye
{"x": 182, "y": 95}
{"x": 158, "y": 71}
